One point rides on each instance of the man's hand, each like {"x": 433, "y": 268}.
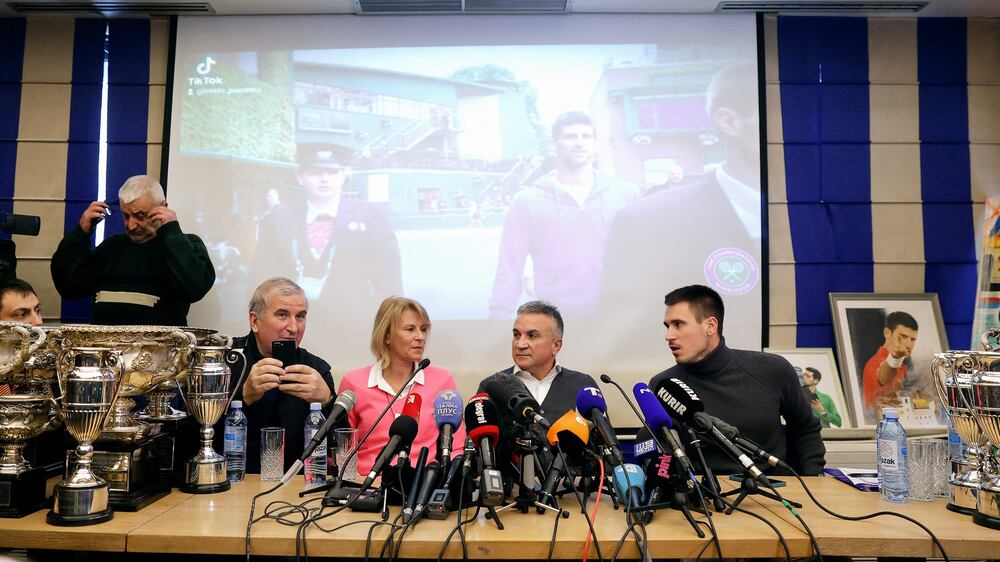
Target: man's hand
{"x": 94, "y": 214}
{"x": 302, "y": 381}
{"x": 159, "y": 216}
{"x": 898, "y": 349}
{"x": 818, "y": 406}
{"x": 264, "y": 375}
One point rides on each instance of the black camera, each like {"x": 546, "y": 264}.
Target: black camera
{"x": 25, "y": 225}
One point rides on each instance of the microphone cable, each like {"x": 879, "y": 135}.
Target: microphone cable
{"x": 781, "y": 538}
{"x": 828, "y": 511}
{"x": 459, "y": 524}
{"x": 583, "y": 507}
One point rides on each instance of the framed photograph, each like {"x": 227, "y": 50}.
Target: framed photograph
{"x": 821, "y": 384}
{"x": 886, "y": 343}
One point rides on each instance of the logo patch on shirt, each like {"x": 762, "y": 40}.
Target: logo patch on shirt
{"x": 732, "y": 271}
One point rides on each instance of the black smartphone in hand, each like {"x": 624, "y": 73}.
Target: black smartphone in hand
{"x": 286, "y": 352}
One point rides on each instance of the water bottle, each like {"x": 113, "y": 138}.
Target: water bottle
{"x": 893, "y": 476}
{"x": 956, "y": 449}
{"x": 315, "y": 469}
{"x": 235, "y": 442}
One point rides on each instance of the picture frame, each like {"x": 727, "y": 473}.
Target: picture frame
{"x": 835, "y": 411}
{"x": 872, "y": 378}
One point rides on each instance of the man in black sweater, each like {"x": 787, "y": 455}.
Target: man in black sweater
{"x": 751, "y": 390}
{"x": 149, "y": 275}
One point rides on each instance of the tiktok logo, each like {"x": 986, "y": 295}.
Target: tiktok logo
{"x": 205, "y": 66}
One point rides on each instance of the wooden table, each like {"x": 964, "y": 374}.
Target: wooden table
{"x": 216, "y": 524}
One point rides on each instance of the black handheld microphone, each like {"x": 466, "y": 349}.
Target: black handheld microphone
{"x": 437, "y": 505}
{"x": 658, "y": 420}
{"x": 510, "y": 394}
{"x": 706, "y": 423}
{"x": 591, "y": 405}
{"x": 432, "y": 476}
{"x": 481, "y": 422}
{"x": 402, "y": 432}
{"x": 411, "y": 498}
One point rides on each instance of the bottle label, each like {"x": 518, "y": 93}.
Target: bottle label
{"x": 235, "y": 440}
{"x": 888, "y": 455}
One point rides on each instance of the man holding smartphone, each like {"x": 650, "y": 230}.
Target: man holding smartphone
{"x": 284, "y": 378}
{"x": 149, "y": 275}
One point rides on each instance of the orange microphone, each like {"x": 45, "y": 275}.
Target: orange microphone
{"x": 570, "y": 433}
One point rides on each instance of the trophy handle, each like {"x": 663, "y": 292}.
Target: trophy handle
{"x": 64, "y": 364}
{"x": 22, "y": 354}
{"x": 114, "y": 360}
{"x": 988, "y": 335}
{"x": 38, "y": 341}
{"x": 940, "y": 366}
{"x": 234, "y": 356}
{"x": 56, "y": 420}
{"x": 186, "y": 342}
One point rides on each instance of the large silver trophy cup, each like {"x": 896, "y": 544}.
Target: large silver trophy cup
{"x": 158, "y": 406}
{"x": 206, "y": 391}
{"x": 129, "y": 452}
{"x": 953, "y": 372}
{"x": 27, "y": 410}
{"x": 89, "y": 379}
{"x": 986, "y": 411}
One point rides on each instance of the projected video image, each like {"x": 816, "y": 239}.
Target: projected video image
{"x": 473, "y": 178}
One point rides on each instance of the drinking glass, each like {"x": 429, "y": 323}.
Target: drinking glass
{"x": 347, "y": 440}
{"x": 941, "y": 468}
{"x": 272, "y": 453}
{"x": 919, "y": 456}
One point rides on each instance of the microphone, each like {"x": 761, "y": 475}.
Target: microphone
{"x": 590, "y": 403}
{"x": 402, "y": 432}
{"x": 658, "y": 420}
{"x": 645, "y": 449}
{"x": 411, "y": 498}
{"x": 481, "y": 421}
{"x": 511, "y": 394}
{"x": 448, "y": 417}
{"x": 438, "y": 502}
{"x": 630, "y": 482}
{"x": 656, "y": 467}
{"x": 432, "y": 474}
{"x": 570, "y": 433}
{"x": 706, "y": 423}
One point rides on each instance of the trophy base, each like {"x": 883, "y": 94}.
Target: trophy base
{"x": 986, "y": 521}
{"x": 74, "y": 507}
{"x": 22, "y": 494}
{"x": 206, "y": 488}
{"x": 133, "y": 473}
{"x": 962, "y": 498}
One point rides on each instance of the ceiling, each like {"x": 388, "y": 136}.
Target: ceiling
{"x": 933, "y": 8}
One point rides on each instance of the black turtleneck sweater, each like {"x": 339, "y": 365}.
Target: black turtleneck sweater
{"x": 753, "y": 391}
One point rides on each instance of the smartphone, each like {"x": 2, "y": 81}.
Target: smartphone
{"x": 285, "y": 351}
{"x": 774, "y": 483}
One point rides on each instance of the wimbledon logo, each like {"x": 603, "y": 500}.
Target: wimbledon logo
{"x": 732, "y": 271}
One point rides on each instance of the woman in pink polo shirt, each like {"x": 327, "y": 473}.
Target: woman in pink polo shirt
{"x": 398, "y": 341}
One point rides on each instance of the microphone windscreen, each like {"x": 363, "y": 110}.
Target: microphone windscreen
{"x": 645, "y": 445}
{"x": 448, "y": 408}
{"x": 678, "y": 399}
{"x": 411, "y": 406}
{"x": 406, "y": 428}
{"x": 628, "y": 476}
{"x": 656, "y": 416}
{"x": 423, "y": 364}
{"x": 503, "y": 388}
{"x": 589, "y": 398}
{"x": 346, "y": 400}
{"x": 571, "y": 432}
{"x": 480, "y": 413}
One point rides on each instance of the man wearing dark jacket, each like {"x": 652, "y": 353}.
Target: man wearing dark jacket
{"x": 149, "y": 275}
{"x": 273, "y": 394}
{"x": 750, "y": 390}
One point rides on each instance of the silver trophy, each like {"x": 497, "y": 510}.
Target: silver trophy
{"x": 26, "y": 411}
{"x": 986, "y": 411}
{"x": 952, "y": 374}
{"x": 129, "y": 453}
{"x": 89, "y": 379}
{"x": 158, "y": 407}
{"x": 206, "y": 392}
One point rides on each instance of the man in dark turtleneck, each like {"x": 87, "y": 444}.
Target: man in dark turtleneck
{"x": 748, "y": 389}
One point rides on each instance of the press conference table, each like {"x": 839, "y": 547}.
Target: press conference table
{"x": 216, "y": 524}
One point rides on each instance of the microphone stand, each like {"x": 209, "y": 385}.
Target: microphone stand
{"x": 338, "y": 482}
{"x": 708, "y": 477}
{"x": 526, "y": 448}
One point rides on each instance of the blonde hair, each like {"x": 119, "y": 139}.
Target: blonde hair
{"x": 386, "y": 320}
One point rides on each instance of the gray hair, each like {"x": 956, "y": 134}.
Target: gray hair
{"x": 137, "y": 186}
{"x": 260, "y": 301}
{"x": 546, "y": 308}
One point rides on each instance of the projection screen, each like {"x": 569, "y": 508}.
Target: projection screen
{"x": 427, "y": 146}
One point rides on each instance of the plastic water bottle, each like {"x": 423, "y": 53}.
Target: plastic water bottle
{"x": 893, "y": 476}
{"x": 956, "y": 449}
{"x": 315, "y": 469}
{"x": 235, "y": 446}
